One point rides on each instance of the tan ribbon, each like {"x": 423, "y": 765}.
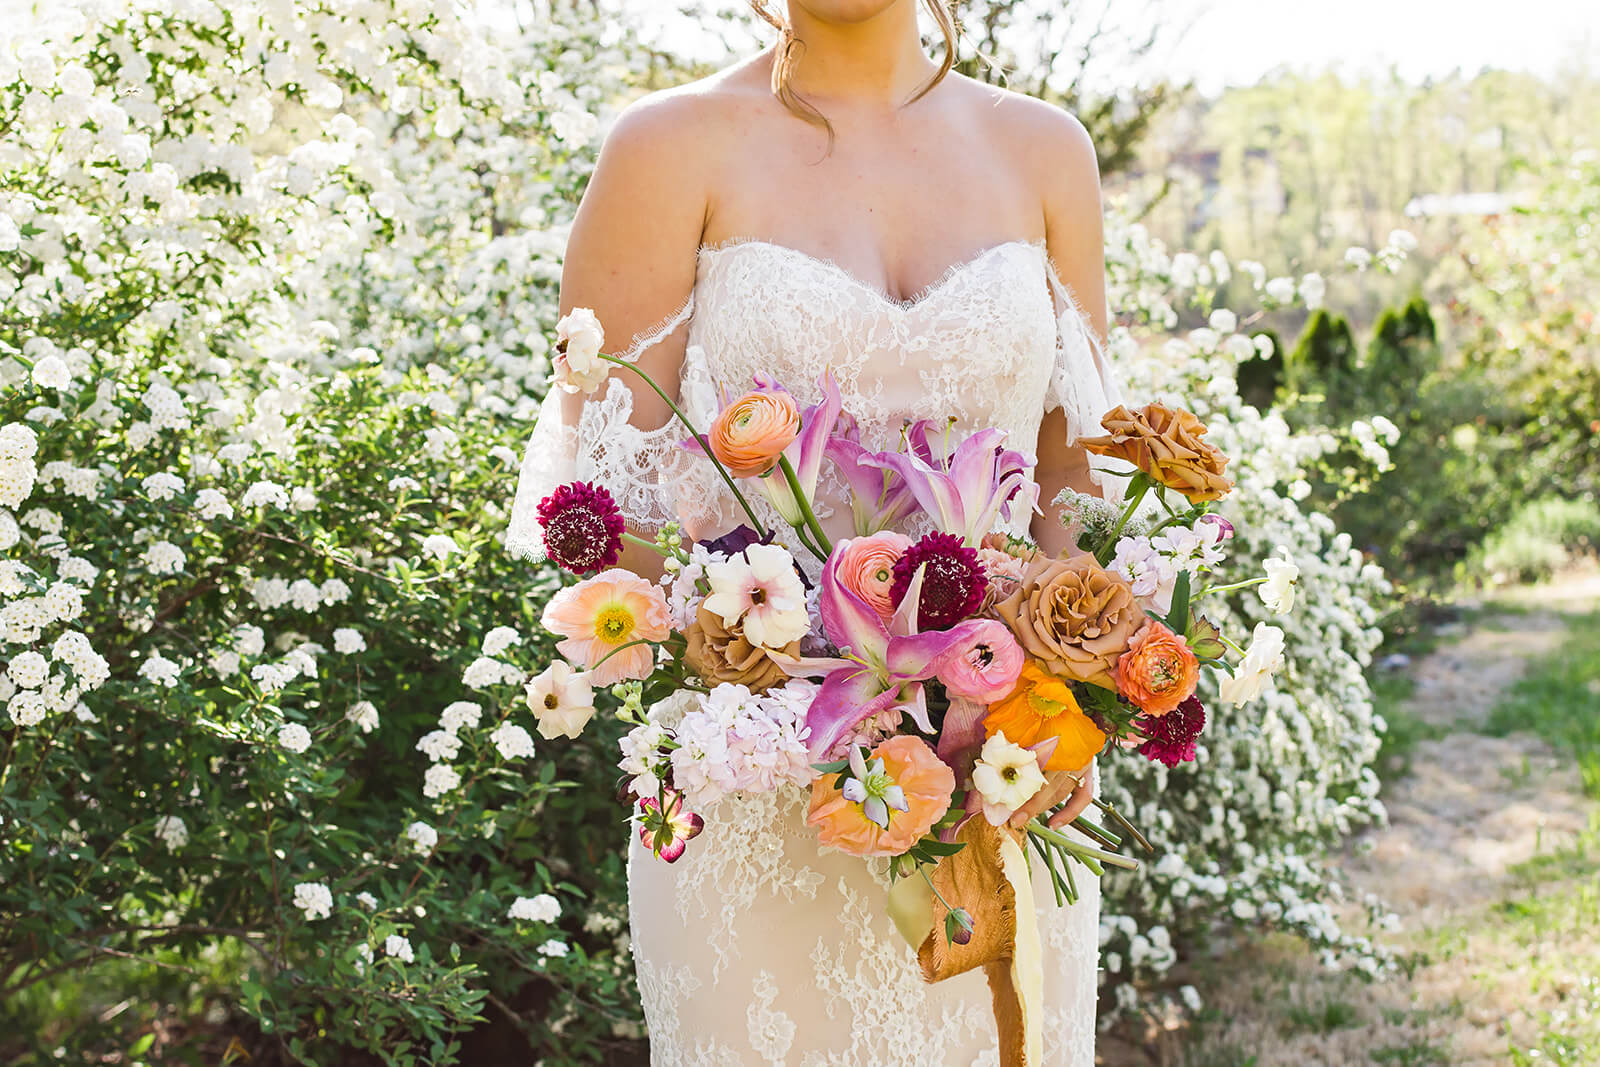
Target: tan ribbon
{"x": 988, "y": 878}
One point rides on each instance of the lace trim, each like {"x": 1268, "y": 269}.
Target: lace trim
{"x": 1083, "y": 382}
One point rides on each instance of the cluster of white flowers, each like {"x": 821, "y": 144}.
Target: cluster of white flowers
{"x": 172, "y": 832}
{"x": 422, "y": 837}
{"x": 18, "y": 445}
{"x": 543, "y": 908}
{"x": 399, "y": 947}
{"x": 313, "y": 898}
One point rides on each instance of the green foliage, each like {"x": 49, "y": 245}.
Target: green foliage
{"x": 1261, "y": 378}
{"x": 1538, "y": 539}
{"x": 1324, "y": 362}
{"x": 1555, "y": 700}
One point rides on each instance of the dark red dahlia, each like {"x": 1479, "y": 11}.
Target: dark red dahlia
{"x": 582, "y": 527}
{"x": 1172, "y": 736}
{"x": 952, "y": 584}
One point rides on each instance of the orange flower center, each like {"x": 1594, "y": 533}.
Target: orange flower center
{"x": 613, "y": 623}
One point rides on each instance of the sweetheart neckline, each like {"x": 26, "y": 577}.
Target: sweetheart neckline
{"x": 909, "y": 304}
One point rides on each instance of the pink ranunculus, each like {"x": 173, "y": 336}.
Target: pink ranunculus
{"x": 985, "y": 666}
{"x": 866, "y": 568}
{"x": 601, "y": 615}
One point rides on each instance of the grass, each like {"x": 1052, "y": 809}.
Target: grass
{"x": 1559, "y": 699}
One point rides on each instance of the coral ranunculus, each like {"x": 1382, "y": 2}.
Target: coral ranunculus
{"x": 866, "y": 568}
{"x": 749, "y": 435}
{"x": 1159, "y": 670}
{"x": 1165, "y": 443}
{"x": 1041, "y": 707}
{"x": 603, "y": 613}
{"x": 926, "y": 781}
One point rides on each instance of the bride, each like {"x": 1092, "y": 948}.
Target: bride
{"x": 839, "y": 201}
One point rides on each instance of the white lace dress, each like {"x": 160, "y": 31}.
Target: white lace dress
{"x": 759, "y": 946}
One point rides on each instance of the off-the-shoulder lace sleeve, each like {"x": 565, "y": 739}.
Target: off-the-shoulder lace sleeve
{"x": 1083, "y": 383}
{"x": 652, "y": 478}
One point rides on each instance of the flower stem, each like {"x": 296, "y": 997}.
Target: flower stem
{"x": 635, "y": 539}
{"x": 1122, "y": 520}
{"x": 1079, "y": 849}
{"x": 619, "y": 648}
{"x": 1225, "y": 588}
{"x": 1122, "y": 820}
{"x": 705, "y": 445}
{"x": 807, "y": 515}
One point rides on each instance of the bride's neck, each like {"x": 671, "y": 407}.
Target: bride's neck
{"x": 878, "y": 61}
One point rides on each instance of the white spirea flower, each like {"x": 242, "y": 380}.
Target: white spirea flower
{"x": 162, "y": 485}
{"x": 512, "y": 741}
{"x": 51, "y": 373}
{"x": 164, "y": 557}
{"x": 422, "y": 836}
{"x": 543, "y": 908}
{"x": 553, "y": 948}
{"x": 348, "y": 641}
{"x": 265, "y": 493}
{"x": 1313, "y": 290}
{"x": 499, "y": 639}
{"x": 158, "y": 669}
{"x": 364, "y": 715}
{"x": 368, "y": 901}
{"x": 294, "y": 737}
{"x": 172, "y": 832}
{"x": 27, "y": 707}
{"x": 335, "y": 591}
{"x": 440, "y": 779}
{"x": 462, "y": 714}
{"x": 399, "y": 947}
{"x": 1281, "y": 290}
{"x": 225, "y": 662}
{"x": 440, "y": 745}
{"x": 313, "y": 898}
{"x": 438, "y": 546}
{"x": 249, "y": 640}
{"x": 211, "y": 504}
{"x": 486, "y": 671}
{"x": 28, "y": 670}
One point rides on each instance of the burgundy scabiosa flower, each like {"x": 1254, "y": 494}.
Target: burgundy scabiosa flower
{"x": 952, "y": 583}
{"x": 1171, "y": 737}
{"x": 582, "y": 527}
{"x": 666, "y": 831}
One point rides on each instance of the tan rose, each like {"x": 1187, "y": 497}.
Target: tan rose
{"x": 1164, "y": 443}
{"x": 1073, "y": 616}
{"x": 719, "y": 653}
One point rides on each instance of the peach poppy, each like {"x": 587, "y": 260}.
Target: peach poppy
{"x": 1159, "y": 671}
{"x": 1041, "y": 707}
{"x": 914, "y": 776}
{"x": 866, "y": 568}
{"x": 600, "y": 615}
{"x": 749, "y": 435}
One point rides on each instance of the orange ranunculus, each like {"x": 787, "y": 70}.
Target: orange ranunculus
{"x": 926, "y": 782}
{"x": 1041, "y": 707}
{"x": 749, "y": 435}
{"x": 1159, "y": 671}
{"x": 866, "y": 568}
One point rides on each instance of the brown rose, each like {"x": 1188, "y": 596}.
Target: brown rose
{"x": 1073, "y": 616}
{"x": 1164, "y": 443}
{"x": 719, "y": 653}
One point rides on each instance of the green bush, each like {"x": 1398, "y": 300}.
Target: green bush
{"x": 1540, "y": 538}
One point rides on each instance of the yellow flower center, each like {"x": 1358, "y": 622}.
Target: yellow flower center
{"x": 613, "y": 623}
{"x": 1043, "y": 706}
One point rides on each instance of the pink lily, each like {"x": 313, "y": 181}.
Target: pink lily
{"x": 879, "y": 498}
{"x": 967, "y": 489}
{"x": 883, "y": 666}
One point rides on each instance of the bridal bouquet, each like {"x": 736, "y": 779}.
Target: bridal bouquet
{"x": 924, "y": 689}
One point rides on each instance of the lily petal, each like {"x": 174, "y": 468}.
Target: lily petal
{"x": 849, "y": 621}
{"x": 845, "y": 699}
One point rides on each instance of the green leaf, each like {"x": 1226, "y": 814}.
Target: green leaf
{"x": 1178, "y": 618}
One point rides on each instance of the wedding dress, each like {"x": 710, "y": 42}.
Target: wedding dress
{"x": 758, "y": 946}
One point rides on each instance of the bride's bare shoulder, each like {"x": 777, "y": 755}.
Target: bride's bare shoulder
{"x": 1041, "y": 138}
{"x": 683, "y": 127}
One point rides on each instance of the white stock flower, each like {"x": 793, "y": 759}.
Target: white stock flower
{"x": 562, "y": 700}
{"x": 313, "y": 898}
{"x": 1261, "y": 659}
{"x": 512, "y": 741}
{"x": 294, "y": 737}
{"x": 1277, "y": 592}
{"x": 577, "y": 366}
{"x": 422, "y": 837}
{"x": 1006, "y": 776}
{"x": 172, "y": 832}
{"x": 543, "y": 908}
{"x": 364, "y": 714}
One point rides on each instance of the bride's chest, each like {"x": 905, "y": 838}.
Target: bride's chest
{"x": 977, "y": 345}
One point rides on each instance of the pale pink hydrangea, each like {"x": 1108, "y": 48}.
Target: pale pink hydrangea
{"x": 735, "y": 740}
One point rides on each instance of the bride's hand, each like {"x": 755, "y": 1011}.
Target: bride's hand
{"x": 1075, "y": 787}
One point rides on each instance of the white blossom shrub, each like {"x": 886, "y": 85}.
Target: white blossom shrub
{"x": 278, "y": 282}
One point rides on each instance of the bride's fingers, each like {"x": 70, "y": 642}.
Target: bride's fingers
{"x": 1077, "y": 803}
{"x": 1058, "y": 786}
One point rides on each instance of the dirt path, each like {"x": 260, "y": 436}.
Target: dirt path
{"x": 1488, "y": 861}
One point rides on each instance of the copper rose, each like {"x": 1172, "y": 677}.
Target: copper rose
{"x": 1164, "y": 443}
{"x": 720, "y": 653}
{"x": 1073, "y": 616}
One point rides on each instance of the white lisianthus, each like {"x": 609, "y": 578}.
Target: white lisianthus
{"x": 313, "y": 898}
{"x": 348, "y": 641}
{"x": 172, "y": 832}
{"x": 512, "y": 740}
{"x": 422, "y": 837}
{"x": 543, "y": 908}
{"x": 760, "y": 590}
{"x": 562, "y": 700}
{"x": 364, "y": 714}
{"x": 294, "y": 737}
{"x": 1261, "y": 659}
{"x": 1277, "y": 592}
{"x": 577, "y": 366}
{"x": 1007, "y": 776}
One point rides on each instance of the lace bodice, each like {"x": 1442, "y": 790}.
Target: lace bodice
{"x": 759, "y": 946}
{"x": 997, "y": 340}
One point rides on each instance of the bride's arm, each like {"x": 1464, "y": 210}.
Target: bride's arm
{"x": 1075, "y": 239}
{"x": 632, "y": 250}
